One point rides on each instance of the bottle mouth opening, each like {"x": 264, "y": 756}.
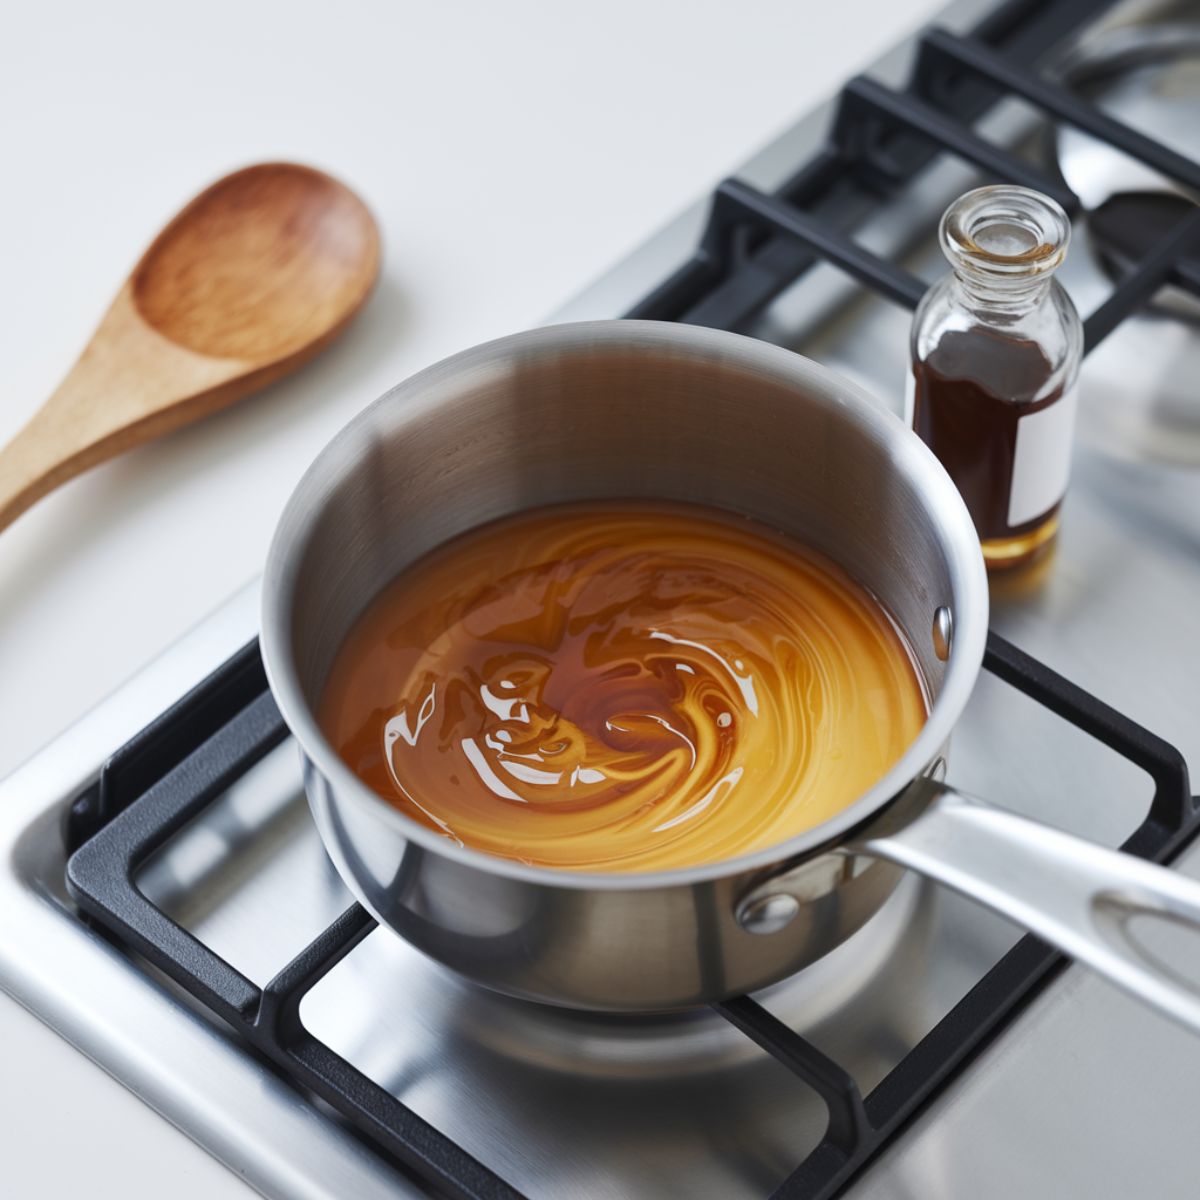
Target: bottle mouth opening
{"x": 1005, "y": 231}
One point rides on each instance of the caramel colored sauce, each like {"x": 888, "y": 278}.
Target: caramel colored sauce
{"x": 622, "y": 686}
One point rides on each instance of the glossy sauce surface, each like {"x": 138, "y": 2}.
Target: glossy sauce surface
{"x": 622, "y": 686}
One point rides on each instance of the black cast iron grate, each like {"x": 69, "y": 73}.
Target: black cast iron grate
{"x": 755, "y": 245}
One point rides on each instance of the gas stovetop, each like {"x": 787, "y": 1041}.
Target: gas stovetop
{"x": 938, "y": 1053}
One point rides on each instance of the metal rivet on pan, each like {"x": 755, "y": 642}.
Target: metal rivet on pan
{"x": 943, "y": 632}
{"x": 768, "y": 914}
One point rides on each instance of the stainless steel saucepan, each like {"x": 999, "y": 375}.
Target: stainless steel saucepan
{"x": 640, "y": 409}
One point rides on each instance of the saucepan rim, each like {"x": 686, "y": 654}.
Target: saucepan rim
{"x": 422, "y": 392}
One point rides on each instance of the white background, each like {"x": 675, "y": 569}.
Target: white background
{"x": 510, "y": 151}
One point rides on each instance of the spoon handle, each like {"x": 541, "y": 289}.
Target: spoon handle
{"x": 30, "y": 467}
{"x": 129, "y": 386}
{"x": 58, "y": 443}
{"x": 76, "y": 428}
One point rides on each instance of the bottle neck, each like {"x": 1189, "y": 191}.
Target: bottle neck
{"x": 1004, "y": 296}
{"x": 1004, "y": 243}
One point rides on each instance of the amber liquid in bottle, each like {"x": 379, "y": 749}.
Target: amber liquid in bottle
{"x": 969, "y": 394}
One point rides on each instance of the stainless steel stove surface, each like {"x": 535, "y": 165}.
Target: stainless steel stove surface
{"x": 1083, "y": 1094}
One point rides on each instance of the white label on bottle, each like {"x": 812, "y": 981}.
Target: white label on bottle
{"x": 1042, "y": 460}
{"x": 910, "y": 397}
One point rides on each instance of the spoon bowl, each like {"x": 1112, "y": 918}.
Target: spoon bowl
{"x": 202, "y": 283}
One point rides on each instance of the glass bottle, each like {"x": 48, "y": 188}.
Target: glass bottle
{"x": 996, "y": 347}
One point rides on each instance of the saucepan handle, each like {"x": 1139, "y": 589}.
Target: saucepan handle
{"x": 1079, "y": 896}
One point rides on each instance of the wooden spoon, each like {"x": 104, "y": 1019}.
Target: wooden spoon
{"x": 251, "y": 279}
